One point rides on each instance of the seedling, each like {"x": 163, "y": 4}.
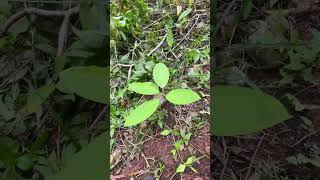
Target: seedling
{"x": 161, "y": 78}
{"x": 158, "y": 172}
{"x": 180, "y": 144}
{"x": 182, "y": 167}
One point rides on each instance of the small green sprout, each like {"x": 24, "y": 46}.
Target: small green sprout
{"x": 182, "y": 143}
{"x": 181, "y": 168}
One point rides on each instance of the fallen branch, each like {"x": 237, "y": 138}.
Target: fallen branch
{"x": 63, "y": 33}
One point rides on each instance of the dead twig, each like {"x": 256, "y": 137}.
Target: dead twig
{"x": 63, "y": 33}
{"x": 303, "y": 138}
{"x": 253, "y": 158}
{"x": 158, "y": 46}
{"x": 122, "y": 65}
{"x": 125, "y": 65}
{"x": 185, "y": 36}
{"x": 103, "y": 112}
{"x": 224, "y": 167}
{"x": 127, "y": 175}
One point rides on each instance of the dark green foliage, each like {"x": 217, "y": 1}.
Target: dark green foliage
{"x": 48, "y": 104}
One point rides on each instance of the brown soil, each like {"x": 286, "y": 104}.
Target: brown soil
{"x": 277, "y": 144}
{"x": 160, "y": 150}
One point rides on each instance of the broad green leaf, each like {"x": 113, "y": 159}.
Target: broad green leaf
{"x": 90, "y": 163}
{"x": 89, "y": 82}
{"x": 239, "y": 111}
{"x": 184, "y": 14}
{"x": 181, "y": 168}
{"x": 37, "y": 97}
{"x": 161, "y": 74}
{"x": 142, "y": 112}
{"x": 146, "y": 88}
{"x": 182, "y": 96}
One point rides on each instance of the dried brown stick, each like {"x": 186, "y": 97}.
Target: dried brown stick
{"x": 127, "y": 175}
{"x": 103, "y": 112}
{"x": 63, "y": 33}
{"x": 253, "y": 158}
{"x": 35, "y": 11}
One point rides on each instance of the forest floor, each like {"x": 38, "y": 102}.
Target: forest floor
{"x": 143, "y": 151}
{"x": 268, "y": 44}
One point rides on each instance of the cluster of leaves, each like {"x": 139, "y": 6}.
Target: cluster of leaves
{"x": 126, "y": 19}
{"x": 182, "y": 143}
{"x": 146, "y": 109}
{"x": 299, "y": 58}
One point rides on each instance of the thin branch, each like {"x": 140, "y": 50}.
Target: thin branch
{"x": 158, "y": 46}
{"x": 303, "y": 138}
{"x": 63, "y": 33}
{"x": 253, "y": 158}
{"x": 185, "y": 36}
{"x": 127, "y": 175}
{"x": 103, "y": 112}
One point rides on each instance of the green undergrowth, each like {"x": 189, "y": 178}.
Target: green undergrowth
{"x": 269, "y": 49}
{"x": 50, "y": 101}
{"x": 143, "y": 35}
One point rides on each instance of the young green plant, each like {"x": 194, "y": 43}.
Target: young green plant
{"x": 189, "y": 163}
{"x": 161, "y": 78}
